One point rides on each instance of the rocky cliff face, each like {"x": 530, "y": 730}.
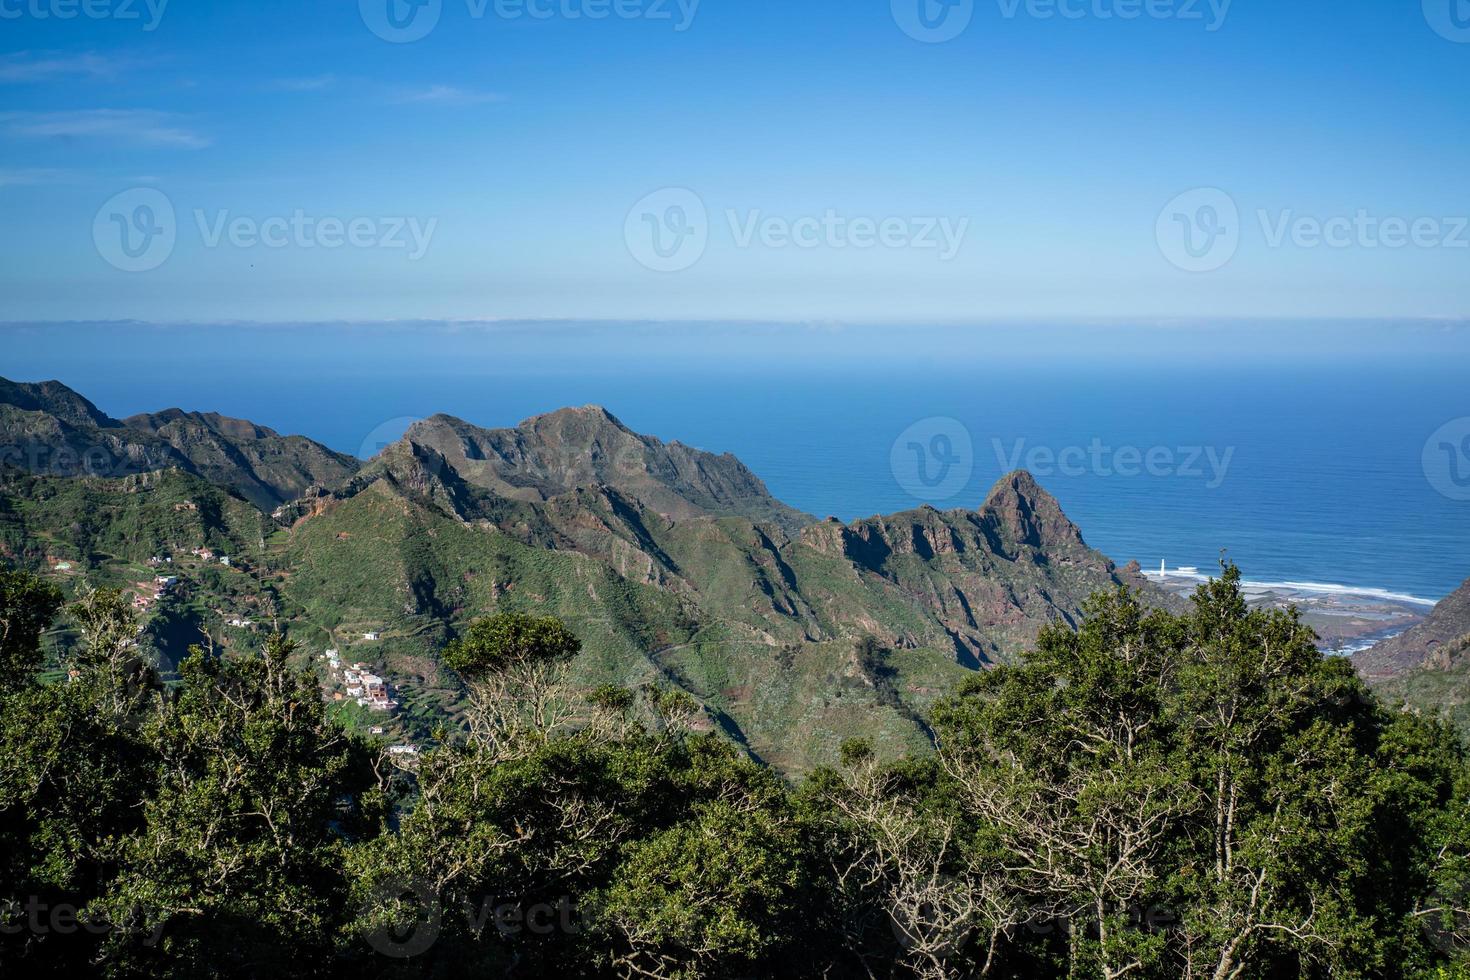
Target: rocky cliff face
{"x": 1427, "y": 667}
{"x": 1439, "y": 643}
{"x": 988, "y": 578}
{"x": 265, "y": 467}
{"x": 49, "y": 429}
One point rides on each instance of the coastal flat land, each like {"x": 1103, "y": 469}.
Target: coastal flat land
{"x": 1346, "y": 620}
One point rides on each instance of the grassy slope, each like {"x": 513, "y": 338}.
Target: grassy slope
{"x": 759, "y": 627}
{"x": 379, "y": 561}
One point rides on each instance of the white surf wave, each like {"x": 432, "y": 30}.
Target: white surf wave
{"x": 1315, "y": 588}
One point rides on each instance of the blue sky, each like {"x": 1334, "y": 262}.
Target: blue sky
{"x": 800, "y": 160}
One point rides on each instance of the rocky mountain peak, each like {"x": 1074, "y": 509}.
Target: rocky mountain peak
{"x": 559, "y": 452}
{"x": 54, "y": 398}
{"x": 1027, "y": 514}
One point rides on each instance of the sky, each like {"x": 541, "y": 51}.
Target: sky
{"x": 842, "y": 161}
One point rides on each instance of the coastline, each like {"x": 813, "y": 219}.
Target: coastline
{"x": 1348, "y": 619}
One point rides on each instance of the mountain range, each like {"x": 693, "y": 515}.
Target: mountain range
{"x": 48, "y": 428}
{"x": 674, "y": 565}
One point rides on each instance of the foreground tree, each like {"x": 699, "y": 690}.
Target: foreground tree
{"x": 915, "y": 889}
{"x": 515, "y": 667}
{"x": 27, "y": 606}
{"x": 73, "y": 775}
{"x": 567, "y": 836}
{"x": 1148, "y": 796}
{"x": 237, "y": 869}
{"x": 1205, "y": 796}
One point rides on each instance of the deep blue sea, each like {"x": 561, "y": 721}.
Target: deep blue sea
{"x": 1298, "y": 472}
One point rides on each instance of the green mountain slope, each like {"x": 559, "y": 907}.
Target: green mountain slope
{"x": 674, "y": 566}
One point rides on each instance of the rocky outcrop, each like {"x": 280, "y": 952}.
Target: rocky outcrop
{"x": 1438, "y": 643}
{"x": 988, "y": 578}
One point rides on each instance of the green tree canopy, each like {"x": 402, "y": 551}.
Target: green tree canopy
{"x": 508, "y": 640}
{"x": 27, "y": 606}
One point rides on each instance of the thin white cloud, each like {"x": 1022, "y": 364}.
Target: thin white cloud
{"x": 312, "y": 84}
{"x": 27, "y": 66}
{"x": 446, "y": 95}
{"x": 31, "y": 176}
{"x": 141, "y": 127}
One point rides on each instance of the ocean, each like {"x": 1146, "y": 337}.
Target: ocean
{"x": 1348, "y": 474}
